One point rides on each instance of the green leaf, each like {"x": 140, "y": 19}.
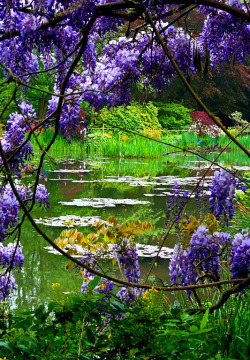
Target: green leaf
{"x": 6, "y": 345}
{"x": 94, "y": 283}
{"x": 51, "y": 306}
{"x": 90, "y": 335}
{"x": 23, "y": 349}
{"x": 193, "y": 328}
{"x": 118, "y": 305}
{"x": 204, "y": 320}
{"x": 202, "y": 331}
{"x": 40, "y": 309}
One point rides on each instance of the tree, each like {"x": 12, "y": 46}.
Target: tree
{"x": 80, "y": 44}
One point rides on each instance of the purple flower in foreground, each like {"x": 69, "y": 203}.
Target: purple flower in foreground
{"x": 240, "y": 255}
{"x": 7, "y": 283}
{"x": 11, "y": 255}
{"x": 128, "y": 258}
{"x": 222, "y": 195}
{"x": 201, "y": 259}
{"x": 42, "y": 196}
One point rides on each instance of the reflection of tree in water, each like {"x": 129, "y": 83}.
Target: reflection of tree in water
{"x": 40, "y": 270}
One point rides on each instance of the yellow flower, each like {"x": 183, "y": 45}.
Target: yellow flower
{"x": 13, "y": 329}
{"x": 109, "y": 337}
{"x": 55, "y": 285}
{"x": 108, "y": 135}
{"x": 102, "y": 286}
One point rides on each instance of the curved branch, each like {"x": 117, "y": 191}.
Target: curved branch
{"x": 226, "y": 294}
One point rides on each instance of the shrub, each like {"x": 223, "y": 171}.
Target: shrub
{"x": 204, "y": 125}
{"x": 173, "y": 116}
{"x": 133, "y": 117}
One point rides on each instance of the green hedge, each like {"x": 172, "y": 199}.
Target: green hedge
{"x": 173, "y": 116}
{"x": 132, "y": 117}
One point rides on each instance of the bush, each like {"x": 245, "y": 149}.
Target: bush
{"x": 133, "y": 117}
{"x": 173, "y": 116}
{"x": 204, "y": 125}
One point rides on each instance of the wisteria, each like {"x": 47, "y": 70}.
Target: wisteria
{"x": 202, "y": 260}
{"x": 176, "y": 203}
{"x": 240, "y": 255}
{"x": 222, "y": 195}
{"x": 42, "y": 196}
{"x": 128, "y": 259}
{"x": 18, "y": 124}
{"x": 7, "y": 283}
{"x": 82, "y": 45}
{"x": 11, "y": 256}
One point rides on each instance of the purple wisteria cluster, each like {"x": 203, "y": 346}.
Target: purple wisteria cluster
{"x": 222, "y": 194}
{"x": 176, "y": 203}
{"x": 11, "y": 256}
{"x": 7, "y": 283}
{"x": 240, "y": 255}
{"x": 127, "y": 257}
{"x": 9, "y": 207}
{"x": 14, "y": 137}
{"x": 104, "y": 286}
{"x": 202, "y": 259}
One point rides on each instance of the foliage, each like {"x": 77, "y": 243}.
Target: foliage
{"x": 6, "y": 92}
{"x": 173, "y": 116}
{"x": 204, "y": 125}
{"x": 132, "y": 117}
{"x": 65, "y": 36}
{"x": 153, "y": 328}
{"x": 40, "y": 99}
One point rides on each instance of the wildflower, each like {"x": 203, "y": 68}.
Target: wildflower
{"x": 55, "y": 285}
{"x": 108, "y": 135}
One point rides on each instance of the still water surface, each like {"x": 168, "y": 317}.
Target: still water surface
{"x": 87, "y": 188}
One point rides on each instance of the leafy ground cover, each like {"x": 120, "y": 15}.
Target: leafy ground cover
{"x": 152, "y": 329}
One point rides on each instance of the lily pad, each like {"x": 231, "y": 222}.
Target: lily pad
{"x": 68, "y": 221}
{"x": 70, "y": 171}
{"x": 103, "y": 202}
{"x": 142, "y": 250}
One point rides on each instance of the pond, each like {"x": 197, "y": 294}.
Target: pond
{"x": 84, "y": 190}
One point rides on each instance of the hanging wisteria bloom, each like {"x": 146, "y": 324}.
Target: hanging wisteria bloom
{"x": 201, "y": 260}
{"x": 7, "y": 283}
{"x": 222, "y": 195}
{"x": 240, "y": 255}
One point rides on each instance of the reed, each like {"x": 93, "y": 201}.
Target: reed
{"x": 115, "y": 144}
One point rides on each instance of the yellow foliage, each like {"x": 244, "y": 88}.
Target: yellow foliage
{"x": 108, "y": 135}
{"x": 189, "y": 227}
{"x": 211, "y": 223}
{"x": 112, "y": 220}
{"x": 70, "y": 265}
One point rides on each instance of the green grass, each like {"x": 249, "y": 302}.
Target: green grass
{"x": 98, "y": 144}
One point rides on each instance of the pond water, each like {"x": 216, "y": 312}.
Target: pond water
{"x": 83, "y": 191}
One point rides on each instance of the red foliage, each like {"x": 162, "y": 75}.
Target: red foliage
{"x": 204, "y": 125}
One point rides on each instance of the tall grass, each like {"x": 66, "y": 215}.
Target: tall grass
{"x": 231, "y": 328}
{"x": 112, "y": 144}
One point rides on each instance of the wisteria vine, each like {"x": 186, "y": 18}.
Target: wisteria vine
{"x": 92, "y": 66}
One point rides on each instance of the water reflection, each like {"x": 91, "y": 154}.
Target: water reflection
{"x": 143, "y": 180}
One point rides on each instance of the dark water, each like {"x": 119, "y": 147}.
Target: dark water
{"x": 147, "y": 181}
